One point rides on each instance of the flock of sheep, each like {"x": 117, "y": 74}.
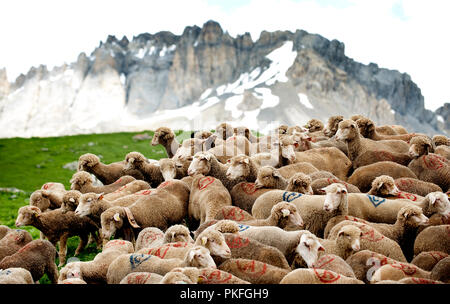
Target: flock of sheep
{"x": 345, "y": 203}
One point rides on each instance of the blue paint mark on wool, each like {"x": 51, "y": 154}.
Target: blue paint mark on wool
{"x": 375, "y": 200}
{"x": 290, "y": 196}
{"x": 137, "y": 259}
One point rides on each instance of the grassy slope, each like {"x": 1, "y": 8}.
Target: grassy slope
{"x": 27, "y": 164}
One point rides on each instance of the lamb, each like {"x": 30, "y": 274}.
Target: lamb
{"x": 368, "y": 130}
{"x": 318, "y": 184}
{"x": 314, "y": 125}
{"x": 197, "y": 256}
{"x": 328, "y": 158}
{"x": 416, "y": 186}
{"x": 348, "y": 132}
{"x": 107, "y": 174}
{"x": 130, "y": 188}
{"x": 206, "y": 163}
{"x": 70, "y": 200}
{"x": 172, "y": 170}
{"x": 363, "y": 176}
{"x": 372, "y": 239}
{"x": 223, "y": 226}
{"x": 165, "y": 206}
{"x": 142, "y": 278}
{"x": 317, "y": 276}
{"x": 95, "y": 271}
{"x": 427, "y": 166}
{"x": 82, "y": 181}
{"x": 38, "y": 257}
{"x": 254, "y": 271}
{"x": 365, "y": 262}
{"x": 151, "y": 171}
{"x": 346, "y": 242}
{"x": 433, "y": 238}
{"x": 15, "y": 275}
{"x": 208, "y": 195}
{"x": 166, "y": 137}
{"x": 57, "y": 227}
{"x": 442, "y": 145}
{"x": 13, "y": 241}
{"x": 426, "y": 260}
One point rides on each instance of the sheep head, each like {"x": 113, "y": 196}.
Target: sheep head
{"x": 201, "y": 163}
{"x": 420, "y": 145}
{"x": 267, "y": 177}
{"x": 168, "y": 168}
{"x": 162, "y": 135}
{"x": 40, "y": 200}
{"x": 441, "y": 140}
{"x": 347, "y": 130}
{"x": 286, "y": 214}
{"x": 412, "y": 216}
{"x": 349, "y": 237}
{"x": 70, "y": 200}
{"x": 239, "y": 167}
{"x": 282, "y": 129}
{"x": 332, "y": 125}
{"x": 113, "y": 219}
{"x": 366, "y": 127}
{"x": 215, "y": 242}
{"x": 87, "y": 161}
{"x": 286, "y": 145}
{"x": 314, "y": 125}
{"x": 134, "y": 160}
{"x": 85, "y": 203}
{"x": 71, "y": 270}
{"x": 80, "y": 179}
{"x": 439, "y": 202}
{"x": 336, "y": 196}
{"x": 300, "y": 182}
{"x": 177, "y": 233}
{"x": 199, "y": 257}
{"x": 308, "y": 248}
{"x": 17, "y": 236}
{"x": 224, "y": 130}
{"x": 384, "y": 185}
{"x": 189, "y": 148}
{"x": 27, "y": 215}
{"x": 243, "y": 131}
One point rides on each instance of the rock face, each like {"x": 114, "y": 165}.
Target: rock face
{"x": 205, "y": 76}
{"x": 443, "y": 115}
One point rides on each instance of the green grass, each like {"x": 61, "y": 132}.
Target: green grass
{"x": 27, "y": 164}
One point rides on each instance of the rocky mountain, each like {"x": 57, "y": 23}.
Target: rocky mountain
{"x": 204, "y": 76}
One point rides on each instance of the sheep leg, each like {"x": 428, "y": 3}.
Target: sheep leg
{"x": 63, "y": 249}
{"x": 52, "y": 273}
{"x": 82, "y": 244}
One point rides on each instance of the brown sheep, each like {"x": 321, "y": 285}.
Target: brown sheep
{"x": 82, "y": 181}
{"x": 368, "y": 130}
{"x": 164, "y": 136}
{"x": 416, "y": 186}
{"x": 151, "y": 172}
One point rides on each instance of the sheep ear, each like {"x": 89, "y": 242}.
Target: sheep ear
{"x": 131, "y": 160}
{"x": 191, "y": 255}
{"x": 321, "y": 248}
{"x": 340, "y": 233}
{"x": 100, "y": 196}
{"x": 276, "y": 174}
{"x": 72, "y": 200}
{"x": 204, "y": 240}
{"x": 429, "y": 148}
{"x": 379, "y": 186}
{"x": 406, "y": 214}
{"x": 116, "y": 217}
{"x": 432, "y": 200}
{"x": 285, "y": 212}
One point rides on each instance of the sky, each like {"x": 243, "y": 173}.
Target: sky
{"x": 410, "y": 36}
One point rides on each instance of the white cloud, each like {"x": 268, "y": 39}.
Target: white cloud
{"x": 409, "y": 36}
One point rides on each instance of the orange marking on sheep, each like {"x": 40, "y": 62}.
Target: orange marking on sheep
{"x": 118, "y": 181}
{"x": 215, "y": 277}
{"x": 354, "y": 219}
{"x": 144, "y": 192}
{"x": 323, "y": 261}
{"x": 164, "y": 184}
{"x": 433, "y": 162}
{"x": 114, "y": 243}
{"x": 326, "y": 276}
{"x": 249, "y": 268}
{"x": 238, "y": 242}
{"x": 139, "y": 279}
{"x": 437, "y": 255}
{"x": 121, "y": 189}
{"x": 407, "y": 269}
{"x": 25, "y": 248}
{"x": 231, "y": 214}
{"x": 249, "y": 188}
{"x": 369, "y": 234}
{"x": 158, "y": 251}
{"x": 205, "y": 182}
{"x": 422, "y": 281}
{"x": 178, "y": 244}
{"x": 407, "y": 195}
{"x": 384, "y": 155}
{"x": 152, "y": 235}
{"x": 404, "y": 184}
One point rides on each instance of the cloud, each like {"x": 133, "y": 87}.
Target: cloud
{"x": 408, "y": 36}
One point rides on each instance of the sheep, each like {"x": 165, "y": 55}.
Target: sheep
{"x": 372, "y": 156}
{"x": 346, "y": 242}
{"x": 385, "y": 129}
{"x": 441, "y": 272}
{"x": 365, "y": 262}
{"x": 38, "y": 257}
{"x": 433, "y": 238}
{"x": 244, "y": 131}
{"x": 397, "y": 271}
{"x": 372, "y": 239}
{"x": 193, "y": 145}
{"x": 177, "y": 233}
{"x": 151, "y": 171}
{"x": 57, "y": 227}
{"x": 130, "y": 188}
{"x": 321, "y": 174}
{"x": 82, "y": 181}
{"x": 243, "y": 195}
{"x": 317, "y": 276}
{"x": 94, "y": 272}
{"x": 314, "y": 125}
{"x": 197, "y": 256}
{"x": 348, "y": 132}
{"x": 4, "y": 230}
{"x": 70, "y": 200}
{"x": 318, "y": 184}
{"x": 47, "y": 199}
{"x": 426, "y": 260}
{"x": 368, "y": 130}
{"x": 442, "y": 145}
{"x": 15, "y": 275}
{"x": 172, "y": 170}
{"x": 254, "y": 271}
{"x": 208, "y": 195}
{"x": 427, "y": 166}
{"x": 328, "y": 158}
{"x": 206, "y": 163}
{"x": 269, "y": 177}
{"x": 107, "y": 174}
{"x": 224, "y": 130}
{"x": 334, "y": 263}
{"x": 166, "y": 137}
{"x": 13, "y": 241}
{"x": 142, "y": 278}
{"x": 217, "y": 276}
{"x": 416, "y": 186}
{"x": 233, "y": 213}
{"x": 149, "y": 237}
{"x": 223, "y": 226}
{"x": 164, "y": 207}
{"x": 363, "y": 176}
{"x": 242, "y": 167}
{"x": 332, "y": 125}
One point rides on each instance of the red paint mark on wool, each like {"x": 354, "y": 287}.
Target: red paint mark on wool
{"x": 352, "y": 218}
{"x": 249, "y": 268}
{"x": 404, "y": 184}
{"x": 407, "y": 195}
{"x": 205, "y": 182}
{"x": 407, "y": 269}
{"x": 422, "y": 281}
{"x": 47, "y": 185}
{"x": 118, "y": 181}
{"x": 215, "y": 277}
{"x": 384, "y": 155}
{"x": 144, "y": 192}
{"x": 231, "y": 214}
{"x": 139, "y": 279}
{"x": 159, "y": 252}
{"x": 437, "y": 255}
{"x": 323, "y": 261}
{"x": 237, "y": 242}
{"x": 326, "y": 276}
{"x": 369, "y": 233}
{"x": 433, "y": 162}
{"x": 164, "y": 184}
{"x": 249, "y": 188}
